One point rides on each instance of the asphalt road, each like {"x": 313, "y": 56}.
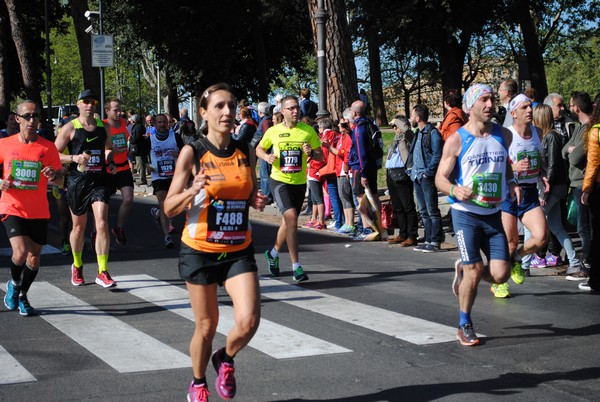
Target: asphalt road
{"x": 374, "y": 323}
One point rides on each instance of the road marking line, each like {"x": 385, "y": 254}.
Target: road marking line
{"x": 11, "y": 371}
{"x": 273, "y": 339}
{"x": 407, "y": 328}
{"x": 121, "y": 346}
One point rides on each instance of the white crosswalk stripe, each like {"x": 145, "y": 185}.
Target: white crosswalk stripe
{"x": 272, "y": 339}
{"x": 128, "y": 350}
{"x": 11, "y": 371}
{"x": 118, "y": 344}
{"x": 407, "y": 328}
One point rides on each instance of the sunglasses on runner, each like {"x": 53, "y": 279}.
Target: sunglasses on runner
{"x": 29, "y": 116}
{"x": 89, "y": 101}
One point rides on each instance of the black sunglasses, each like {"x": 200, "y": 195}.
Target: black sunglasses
{"x": 29, "y": 116}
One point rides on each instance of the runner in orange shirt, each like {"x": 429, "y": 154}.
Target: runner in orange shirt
{"x": 29, "y": 162}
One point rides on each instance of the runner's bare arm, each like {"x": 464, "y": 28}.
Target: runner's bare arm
{"x": 179, "y": 197}
{"x": 62, "y": 141}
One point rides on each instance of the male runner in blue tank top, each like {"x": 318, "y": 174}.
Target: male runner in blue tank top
{"x": 475, "y": 172}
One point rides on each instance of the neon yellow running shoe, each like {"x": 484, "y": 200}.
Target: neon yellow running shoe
{"x": 516, "y": 272}
{"x": 500, "y": 290}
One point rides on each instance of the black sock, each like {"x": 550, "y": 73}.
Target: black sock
{"x": 28, "y": 278}
{"x": 200, "y": 381}
{"x": 225, "y": 358}
{"x": 16, "y": 271}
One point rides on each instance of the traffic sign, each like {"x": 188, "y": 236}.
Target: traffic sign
{"x": 102, "y": 51}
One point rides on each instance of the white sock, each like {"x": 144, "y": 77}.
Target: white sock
{"x": 274, "y": 253}
{"x": 295, "y": 265}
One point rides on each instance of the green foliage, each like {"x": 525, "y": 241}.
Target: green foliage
{"x": 200, "y": 43}
{"x": 576, "y": 69}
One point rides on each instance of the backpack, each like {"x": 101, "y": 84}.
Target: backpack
{"x": 375, "y": 143}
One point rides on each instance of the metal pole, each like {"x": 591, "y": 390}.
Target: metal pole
{"x": 321, "y": 17}
{"x": 48, "y": 69}
{"x": 101, "y": 68}
{"x": 158, "y": 89}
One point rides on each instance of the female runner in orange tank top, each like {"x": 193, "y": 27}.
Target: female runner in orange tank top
{"x": 216, "y": 244}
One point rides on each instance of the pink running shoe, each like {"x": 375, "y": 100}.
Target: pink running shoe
{"x": 225, "y": 382}
{"x": 537, "y": 262}
{"x": 318, "y": 226}
{"x": 103, "y": 279}
{"x": 77, "y": 275}
{"x": 310, "y": 224}
{"x": 198, "y": 393}
{"x": 553, "y": 260}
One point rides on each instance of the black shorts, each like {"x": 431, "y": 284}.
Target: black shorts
{"x": 287, "y": 196}
{"x": 35, "y": 229}
{"x": 121, "y": 179}
{"x": 161, "y": 185}
{"x": 357, "y": 187}
{"x": 206, "y": 268}
{"x": 85, "y": 189}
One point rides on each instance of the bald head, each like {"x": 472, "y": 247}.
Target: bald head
{"x": 359, "y": 108}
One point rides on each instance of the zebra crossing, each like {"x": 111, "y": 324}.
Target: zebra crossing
{"x": 129, "y": 350}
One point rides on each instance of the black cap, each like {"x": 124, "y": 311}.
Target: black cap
{"x": 87, "y": 94}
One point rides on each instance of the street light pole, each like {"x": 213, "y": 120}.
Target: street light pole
{"x": 321, "y": 17}
{"x": 48, "y": 69}
{"x": 101, "y": 68}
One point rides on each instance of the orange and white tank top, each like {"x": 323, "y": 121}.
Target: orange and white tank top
{"x": 120, "y": 140}
{"x": 217, "y": 220}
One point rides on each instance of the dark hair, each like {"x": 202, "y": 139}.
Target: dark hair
{"x": 222, "y": 86}
{"x": 305, "y": 92}
{"x": 453, "y": 98}
{"x": 288, "y": 97}
{"x": 512, "y": 86}
{"x": 245, "y": 113}
{"x": 583, "y": 101}
{"x": 531, "y": 93}
{"x": 595, "y": 119}
{"x": 422, "y": 112}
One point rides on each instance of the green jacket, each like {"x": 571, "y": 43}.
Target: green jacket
{"x": 577, "y": 158}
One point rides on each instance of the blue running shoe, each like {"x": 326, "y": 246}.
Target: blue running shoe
{"x": 25, "y": 308}
{"x": 11, "y": 300}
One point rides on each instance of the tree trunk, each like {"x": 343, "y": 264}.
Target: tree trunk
{"x": 26, "y": 59}
{"x": 342, "y": 86}
{"x": 452, "y": 57}
{"x": 172, "y": 104}
{"x": 535, "y": 59}
{"x": 91, "y": 75}
{"x": 372, "y": 36}
{"x": 4, "y": 97}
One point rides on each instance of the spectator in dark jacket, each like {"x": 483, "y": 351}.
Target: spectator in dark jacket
{"x": 247, "y": 127}
{"x": 426, "y": 151}
{"x": 138, "y": 147}
{"x": 265, "y": 122}
{"x": 364, "y": 169}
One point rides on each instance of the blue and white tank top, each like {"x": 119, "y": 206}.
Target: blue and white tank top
{"x": 481, "y": 166}
{"x": 521, "y": 148}
{"x": 163, "y": 156}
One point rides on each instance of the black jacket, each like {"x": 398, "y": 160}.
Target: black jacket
{"x": 553, "y": 162}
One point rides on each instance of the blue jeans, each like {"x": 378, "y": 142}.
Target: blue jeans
{"x": 553, "y": 216}
{"x": 265, "y": 172}
{"x": 427, "y": 198}
{"x": 336, "y": 203}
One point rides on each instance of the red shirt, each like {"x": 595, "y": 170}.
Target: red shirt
{"x": 23, "y": 164}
